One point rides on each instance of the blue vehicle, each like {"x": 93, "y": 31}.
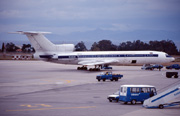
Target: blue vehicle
{"x": 136, "y": 93}
{"x": 152, "y": 66}
{"x": 173, "y": 66}
{"x": 106, "y": 67}
{"x": 108, "y": 76}
{"x": 158, "y": 66}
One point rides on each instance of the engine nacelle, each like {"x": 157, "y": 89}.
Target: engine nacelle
{"x": 65, "y": 48}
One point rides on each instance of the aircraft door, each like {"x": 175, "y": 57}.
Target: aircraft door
{"x": 73, "y": 58}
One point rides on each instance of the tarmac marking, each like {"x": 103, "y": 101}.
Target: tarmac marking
{"x": 29, "y": 106}
{"x": 36, "y": 105}
{"x": 57, "y": 81}
{"x": 61, "y": 108}
{"x": 69, "y": 81}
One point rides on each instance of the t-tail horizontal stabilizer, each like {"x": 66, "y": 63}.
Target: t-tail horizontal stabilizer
{"x": 42, "y": 44}
{"x": 30, "y": 32}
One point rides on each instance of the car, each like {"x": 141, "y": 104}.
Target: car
{"x": 147, "y": 67}
{"x": 106, "y": 68}
{"x": 173, "y": 66}
{"x": 108, "y": 76}
{"x": 158, "y": 66}
{"x": 113, "y": 97}
{"x": 152, "y": 66}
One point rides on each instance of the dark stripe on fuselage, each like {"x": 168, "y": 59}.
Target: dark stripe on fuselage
{"x": 45, "y": 56}
{"x": 107, "y": 56}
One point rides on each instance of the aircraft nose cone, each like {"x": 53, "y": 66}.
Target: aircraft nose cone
{"x": 172, "y": 59}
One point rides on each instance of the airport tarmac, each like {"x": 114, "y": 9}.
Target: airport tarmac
{"x": 37, "y": 88}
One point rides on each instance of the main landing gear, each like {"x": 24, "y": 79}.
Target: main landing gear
{"x": 96, "y": 68}
{"x": 91, "y": 69}
{"x": 82, "y": 68}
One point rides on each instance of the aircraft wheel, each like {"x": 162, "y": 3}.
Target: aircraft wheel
{"x": 85, "y": 68}
{"x": 104, "y": 79}
{"x": 161, "y": 106}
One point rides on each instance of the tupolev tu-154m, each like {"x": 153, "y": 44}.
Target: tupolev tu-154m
{"x": 64, "y": 54}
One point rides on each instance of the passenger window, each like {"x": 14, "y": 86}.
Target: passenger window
{"x": 121, "y": 89}
{"x": 148, "y": 90}
{"x": 137, "y": 90}
{"x": 153, "y": 89}
{"x": 143, "y": 90}
{"x": 134, "y": 90}
{"x": 125, "y": 89}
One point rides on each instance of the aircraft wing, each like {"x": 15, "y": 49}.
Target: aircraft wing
{"x": 96, "y": 62}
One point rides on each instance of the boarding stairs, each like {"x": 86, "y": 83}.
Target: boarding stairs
{"x": 164, "y": 99}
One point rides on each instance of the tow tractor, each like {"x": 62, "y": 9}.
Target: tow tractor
{"x": 108, "y": 76}
{"x": 164, "y": 99}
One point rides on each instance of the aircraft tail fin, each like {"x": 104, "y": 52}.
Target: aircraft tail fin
{"x": 42, "y": 44}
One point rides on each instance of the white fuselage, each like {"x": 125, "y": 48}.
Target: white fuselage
{"x": 122, "y": 57}
{"x": 63, "y": 53}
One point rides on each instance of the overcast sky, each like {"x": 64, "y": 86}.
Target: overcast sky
{"x": 63, "y": 17}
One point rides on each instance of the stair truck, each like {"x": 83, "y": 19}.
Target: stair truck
{"x": 164, "y": 99}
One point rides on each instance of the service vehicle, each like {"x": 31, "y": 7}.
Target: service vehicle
{"x": 173, "y": 66}
{"x": 113, "y": 97}
{"x": 157, "y": 66}
{"x": 108, "y": 76}
{"x": 152, "y": 66}
{"x": 136, "y": 93}
{"x": 106, "y": 67}
{"x": 164, "y": 99}
{"x": 171, "y": 74}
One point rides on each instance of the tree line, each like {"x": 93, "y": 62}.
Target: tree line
{"x": 11, "y": 47}
{"x": 167, "y": 46}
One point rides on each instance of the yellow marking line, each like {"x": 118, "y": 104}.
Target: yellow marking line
{"x": 29, "y": 106}
{"x": 82, "y": 107}
{"x": 36, "y": 105}
{"x": 68, "y": 81}
{"x": 44, "y": 105}
{"x": 52, "y": 81}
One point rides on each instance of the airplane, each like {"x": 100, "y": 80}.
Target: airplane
{"x": 65, "y": 54}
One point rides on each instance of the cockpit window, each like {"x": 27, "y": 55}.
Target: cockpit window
{"x": 167, "y": 55}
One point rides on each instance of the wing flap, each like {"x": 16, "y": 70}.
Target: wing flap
{"x": 96, "y": 62}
